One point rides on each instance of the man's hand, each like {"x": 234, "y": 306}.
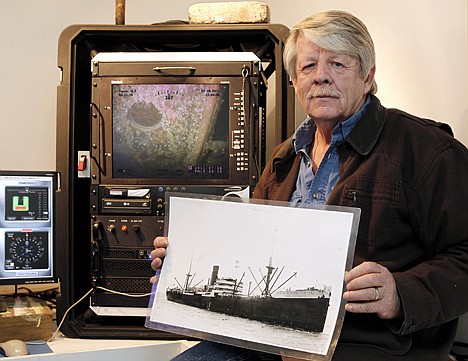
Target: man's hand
{"x": 371, "y": 288}
{"x": 157, "y": 255}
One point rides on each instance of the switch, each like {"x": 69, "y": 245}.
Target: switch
{"x": 82, "y": 162}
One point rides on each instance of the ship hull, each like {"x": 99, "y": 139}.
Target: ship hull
{"x": 307, "y": 314}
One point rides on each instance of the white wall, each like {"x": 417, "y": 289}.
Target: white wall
{"x": 422, "y": 60}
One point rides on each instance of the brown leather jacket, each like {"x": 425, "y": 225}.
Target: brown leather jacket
{"x": 409, "y": 176}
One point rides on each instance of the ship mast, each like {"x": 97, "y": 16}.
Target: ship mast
{"x": 270, "y": 269}
{"x": 188, "y": 276}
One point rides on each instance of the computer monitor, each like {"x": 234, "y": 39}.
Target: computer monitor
{"x": 168, "y": 119}
{"x": 27, "y": 229}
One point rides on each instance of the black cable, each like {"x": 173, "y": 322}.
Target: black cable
{"x": 49, "y": 295}
{"x": 460, "y": 351}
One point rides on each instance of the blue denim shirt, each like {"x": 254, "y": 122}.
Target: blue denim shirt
{"x": 316, "y": 188}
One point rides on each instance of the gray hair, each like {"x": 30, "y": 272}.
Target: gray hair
{"x": 337, "y": 31}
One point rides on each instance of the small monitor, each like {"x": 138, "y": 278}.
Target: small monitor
{"x": 27, "y": 227}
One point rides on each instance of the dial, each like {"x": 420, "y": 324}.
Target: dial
{"x": 26, "y": 250}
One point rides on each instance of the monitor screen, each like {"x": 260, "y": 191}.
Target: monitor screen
{"x": 27, "y": 227}
{"x": 170, "y": 130}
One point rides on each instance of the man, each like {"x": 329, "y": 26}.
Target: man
{"x": 408, "y": 175}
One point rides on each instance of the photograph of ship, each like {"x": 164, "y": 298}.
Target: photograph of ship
{"x": 254, "y": 275}
{"x": 304, "y": 309}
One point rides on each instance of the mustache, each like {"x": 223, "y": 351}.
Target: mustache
{"x": 322, "y": 92}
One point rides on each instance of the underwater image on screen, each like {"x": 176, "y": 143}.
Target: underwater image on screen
{"x": 173, "y": 131}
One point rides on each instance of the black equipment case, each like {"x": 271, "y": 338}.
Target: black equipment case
{"x": 81, "y": 226}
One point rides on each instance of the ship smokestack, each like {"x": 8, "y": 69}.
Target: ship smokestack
{"x": 214, "y": 275}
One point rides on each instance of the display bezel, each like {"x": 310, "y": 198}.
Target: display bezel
{"x": 26, "y": 235}
{"x": 240, "y": 119}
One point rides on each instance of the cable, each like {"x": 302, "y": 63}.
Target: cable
{"x": 87, "y": 294}
{"x": 48, "y": 295}
{"x": 81, "y": 299}
{"x": 66, "y": 313}
{"x": 124, "y": 294}
{"x": 460, "y": 351}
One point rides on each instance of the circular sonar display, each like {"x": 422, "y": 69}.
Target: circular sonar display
{"x": 26, "y": 251}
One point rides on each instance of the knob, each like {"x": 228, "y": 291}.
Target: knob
{"x": 96, "y": 231}
{"x": 136, "y": 228}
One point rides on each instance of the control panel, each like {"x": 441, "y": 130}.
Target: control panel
{"x": 124, "y": 223}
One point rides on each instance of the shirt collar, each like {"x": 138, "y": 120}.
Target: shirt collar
{"x": 303, "y": 136}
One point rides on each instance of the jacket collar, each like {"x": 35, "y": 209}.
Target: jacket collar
{"x": 367, "y": 130}
{"x": 362, "y": 138}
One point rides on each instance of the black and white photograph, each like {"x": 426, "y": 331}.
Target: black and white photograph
{"x": 266, "y": 277}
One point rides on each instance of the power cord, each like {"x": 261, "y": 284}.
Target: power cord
{"x": 48, "y": 295}
{"x": 460, "y": 351}
{"x": 87, "y": 294}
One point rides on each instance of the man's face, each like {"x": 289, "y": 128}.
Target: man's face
{"x": 328, "y": 84}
